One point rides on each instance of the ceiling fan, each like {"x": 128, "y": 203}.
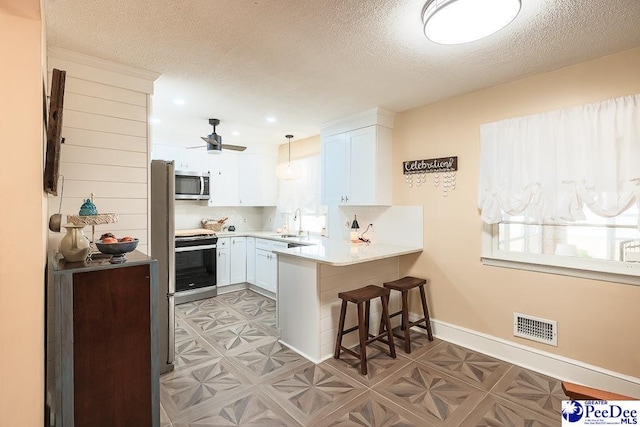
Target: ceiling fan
{"x": 214, "y": 141}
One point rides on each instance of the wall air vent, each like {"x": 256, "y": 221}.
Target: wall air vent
{"x": 535, "y": 328}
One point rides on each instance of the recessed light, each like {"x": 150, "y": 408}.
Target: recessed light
{"x": 235, "y": 133}
{"x": 178, "y": 101}
{"x": 271, "y": 119}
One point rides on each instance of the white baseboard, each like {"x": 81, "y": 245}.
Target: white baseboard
{"x": 261, "y": 291}
{"x": 303, "y": 354}
{"x": 553, "y": 365}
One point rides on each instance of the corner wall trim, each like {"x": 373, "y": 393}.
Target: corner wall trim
{"x": 553, "y": 365}
{"x": 102, "y": 64}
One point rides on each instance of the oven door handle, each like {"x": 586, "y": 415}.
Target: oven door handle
{"x": 202, "y": 186}
{"x": 195, "y": 248}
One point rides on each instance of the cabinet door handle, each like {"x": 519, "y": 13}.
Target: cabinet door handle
{"x": 342, "y": 199}
{"x": 346, "y": 199}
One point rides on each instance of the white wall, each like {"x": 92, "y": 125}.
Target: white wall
{"x": 105, "y": 127}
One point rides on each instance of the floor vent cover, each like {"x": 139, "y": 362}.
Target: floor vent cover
{"x": 535, "y": 328}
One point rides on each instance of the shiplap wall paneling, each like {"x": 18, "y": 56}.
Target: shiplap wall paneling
{"x": 106, "y": 149}
{"x": 341, "y": 279}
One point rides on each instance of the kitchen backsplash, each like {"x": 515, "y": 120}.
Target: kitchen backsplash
{"x": 190, "y": 213}
{"x": 400, "y": 225}
{"x": 395, "y": 225}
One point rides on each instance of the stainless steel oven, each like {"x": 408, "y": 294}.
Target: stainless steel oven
{"x": 195, "y": 267}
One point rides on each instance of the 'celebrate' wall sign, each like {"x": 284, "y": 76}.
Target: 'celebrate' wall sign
{"x": 442, "y": 164}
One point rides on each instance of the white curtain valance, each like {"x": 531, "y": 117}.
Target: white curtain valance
{"x": 552, "y": 165}
{"x": 303, "y": 193}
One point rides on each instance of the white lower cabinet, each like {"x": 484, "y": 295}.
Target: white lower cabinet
{"x": 263, "y": 269}
{"x": 267, "y": 264}
{"x": 238, "y": 255}
{"x": 251, "y": 260}
{"x": 223, "y": 265}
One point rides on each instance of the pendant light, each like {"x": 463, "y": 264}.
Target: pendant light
{"x": 463, "y": 21}
{"x": 288, "y": 171}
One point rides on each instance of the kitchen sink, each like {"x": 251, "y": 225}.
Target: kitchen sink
{"x": 285, "y": 236}
{"x": 296, "y": 245}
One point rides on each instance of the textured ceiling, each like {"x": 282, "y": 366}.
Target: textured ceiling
{"x": 309, "y": 62}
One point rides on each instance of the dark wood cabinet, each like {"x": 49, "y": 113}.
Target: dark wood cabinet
{"x": 103, "y": 338}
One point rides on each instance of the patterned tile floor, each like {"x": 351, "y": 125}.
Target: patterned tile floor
{"x": 231, "y": 371}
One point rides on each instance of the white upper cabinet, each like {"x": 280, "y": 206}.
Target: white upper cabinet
{"x": 194, "y": 160}
{"x": 243, "y": 179}
{"x": 335, "y": 169}
{"x": 257, "y": 182}
{"x": 357, "y": 161}
{"x": 164, "y": 152}
{"x": 224, "y": 179}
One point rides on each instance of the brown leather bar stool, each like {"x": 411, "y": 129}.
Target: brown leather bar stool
{"x": 404, "y": 285}
{"x": 362, "y": 297}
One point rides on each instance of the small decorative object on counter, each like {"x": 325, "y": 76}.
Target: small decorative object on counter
{"x": 74, "y": 245}
{"x": 89, "y": 215}
{"x": 213, "y": 224}
{"x": 232, "y": 228}
{"x": 88, "y": 208}
{"x": 117, "y": 248}
{"x": 353, "y": 235}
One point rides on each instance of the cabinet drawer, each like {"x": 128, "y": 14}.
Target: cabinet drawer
{"x": 279, "y": 245}
{"x": 223, "y": 242}
{"x": 264, "y": 244}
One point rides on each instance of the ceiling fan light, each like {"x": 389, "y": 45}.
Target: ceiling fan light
{"x": 463, "y": 21}
{"x": 214, "y": 148}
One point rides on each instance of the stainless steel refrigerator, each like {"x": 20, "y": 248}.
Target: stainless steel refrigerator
{"x": 163, "y": 250}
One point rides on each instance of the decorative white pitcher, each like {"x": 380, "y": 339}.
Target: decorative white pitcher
{"x": 74, "y": 245}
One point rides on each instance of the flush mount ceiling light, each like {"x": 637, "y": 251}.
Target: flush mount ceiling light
{"x": 288, "y": 171}
{"x": 462, "y": 21}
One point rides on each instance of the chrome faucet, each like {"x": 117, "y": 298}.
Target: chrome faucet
{"x": 297, "y": 215}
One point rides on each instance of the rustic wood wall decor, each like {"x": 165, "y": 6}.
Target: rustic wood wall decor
{"x": 417, "y": 170}
{"x": 54, "y": 129}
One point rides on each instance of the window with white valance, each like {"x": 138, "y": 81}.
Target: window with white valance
{"x": 303, "y": 194}
{"x": 577, "y": 167}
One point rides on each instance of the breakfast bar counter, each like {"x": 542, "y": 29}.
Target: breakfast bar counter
{"x": 309, "y": 280}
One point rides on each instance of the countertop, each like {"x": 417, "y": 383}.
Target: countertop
{"x": 99, "y": 262}
{"x": 340, "y": 253}
{"x": 325, "y": 250}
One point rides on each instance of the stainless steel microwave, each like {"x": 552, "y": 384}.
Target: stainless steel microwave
{"x": 192, "y": 185}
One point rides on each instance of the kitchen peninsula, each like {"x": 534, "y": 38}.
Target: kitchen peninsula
{"x": 309, "y": 279}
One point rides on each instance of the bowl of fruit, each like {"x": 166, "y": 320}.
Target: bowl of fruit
{"x": 111, "y": 245}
